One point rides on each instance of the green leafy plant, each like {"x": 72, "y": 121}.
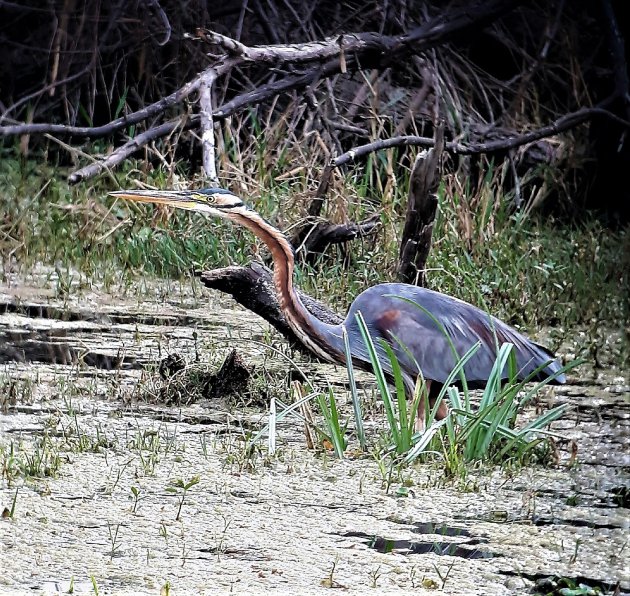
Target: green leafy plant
{"x": 489, "y": 432}
{"x": 484, "y": 433}
{"x": 400, "y": 420}
{"x": 181, "y": 488}
{"x": 135, "y": 492}
{"x": 336, "y": 433}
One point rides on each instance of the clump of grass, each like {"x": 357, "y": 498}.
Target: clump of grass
{"x": 42, "y": 459}
{"x": 401, "y": 416}
{"x": 335, "y": 432}
{"x": 99, "y": 239}
{"x": 180, "y": 382}
{"x": 528, "y": 270}
{"x": 486, "y": 433}
{"x": 15, "y": 391}
{"x": 79, "y": 439}
{"x": 489, "y": 432}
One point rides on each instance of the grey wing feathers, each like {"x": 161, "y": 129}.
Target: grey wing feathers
{"x": 392, "y": 317}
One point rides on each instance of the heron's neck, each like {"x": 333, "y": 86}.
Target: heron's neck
{"x": 321, "y": 338}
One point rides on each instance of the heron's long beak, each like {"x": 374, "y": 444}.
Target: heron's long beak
{"x": 184, "y": 199}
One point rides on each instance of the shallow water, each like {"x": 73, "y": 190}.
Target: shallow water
{"x": 298, "y": 521}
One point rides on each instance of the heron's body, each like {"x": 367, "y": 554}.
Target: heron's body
{"x": 394, "y": 312}
{"x": 393, "y": 317}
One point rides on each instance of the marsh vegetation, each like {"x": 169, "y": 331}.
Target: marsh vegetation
{"x": 130, "y": 461}
{"x": 96, "y": 295}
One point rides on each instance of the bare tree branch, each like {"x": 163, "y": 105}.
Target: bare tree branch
{"x": 149, "y": 111}
{"x": 562, "y": 124}
{"x": 288, "y": 83}
{"x": 312, "y": 240}
{"x": 153, "y": 6}
{"x": 207, "y": 126}
{"x": 433, "y": 32}
{"x": 322, "y": 60}
{"x": 130, "y": 147}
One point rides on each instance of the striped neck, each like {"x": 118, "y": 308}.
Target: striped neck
{"x": 322, "y": 339}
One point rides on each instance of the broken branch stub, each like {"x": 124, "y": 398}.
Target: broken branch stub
{"x": 253, "y": 288}
{"x": 421, "y": 208}
{"x": 313, "y": 239}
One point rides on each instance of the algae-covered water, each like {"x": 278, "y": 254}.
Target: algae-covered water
{"x": 105, "y": 489}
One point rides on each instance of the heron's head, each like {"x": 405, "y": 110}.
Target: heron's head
{"x": 214, "y": 201}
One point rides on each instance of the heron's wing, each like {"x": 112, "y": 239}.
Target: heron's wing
{"x": 418, "y": 334}
{"x": 420, "y": 343}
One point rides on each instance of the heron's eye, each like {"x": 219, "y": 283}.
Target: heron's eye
{"x": 211, "y": 199}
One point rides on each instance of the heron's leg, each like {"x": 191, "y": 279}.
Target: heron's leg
{"x": 421, "y": 416}
{"x": 434, "y": 391}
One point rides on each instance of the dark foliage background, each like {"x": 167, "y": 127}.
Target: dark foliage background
{"x": 86, "y": 63}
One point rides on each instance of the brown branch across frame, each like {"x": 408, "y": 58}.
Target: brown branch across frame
{"x": 124, "y": 151}
{"x": 149, "y": 111}
{"x": 562, "y": 124}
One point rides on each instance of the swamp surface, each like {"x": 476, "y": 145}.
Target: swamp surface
{"x": 94, "y": 471}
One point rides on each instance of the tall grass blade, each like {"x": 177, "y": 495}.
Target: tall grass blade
{"x": 272, "y": 426}
{"x": 425, "y": 439}
{"x": 356, "y": 403}
{"x": 480, "y": 436}
{"x": 401, "y": 398}
{"x": 536, "y": 426}
{"x": 283, "y": 414}
{"x": 331, "y": 416}
{"x": 381, "y": 381}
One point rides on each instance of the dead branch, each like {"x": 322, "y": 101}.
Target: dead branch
{"x": 562, "y": 124}
{"x": 263, "y": 92}
{"x": 253, "y": 288}
{"x": 312, "y": 240}
{"x": 330, "y": 56}
{"x": 149, "y": 111}
{"x": 315, "y": 207}
{"x": 421, "y": 209}
{"x": 153, "y": 6}
{"x": 207, "y": 126}
{"x": 119, "y": 155}
{"x": 346, "y": 46}
{"x": 352, "y": 46}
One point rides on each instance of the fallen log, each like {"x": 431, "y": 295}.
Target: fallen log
{"x": 252, "y": 287}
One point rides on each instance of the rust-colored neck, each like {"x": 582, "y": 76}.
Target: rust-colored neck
{"x": 309, "y": 330}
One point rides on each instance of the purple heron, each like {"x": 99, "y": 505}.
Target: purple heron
{"x": 416, "y": 334}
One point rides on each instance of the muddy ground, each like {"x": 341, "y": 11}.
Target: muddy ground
{"x": 76, "y": 374}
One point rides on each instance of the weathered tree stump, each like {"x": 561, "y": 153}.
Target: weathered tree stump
{"x": 421, "y": 209}
{"x": 253, "y": 288}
